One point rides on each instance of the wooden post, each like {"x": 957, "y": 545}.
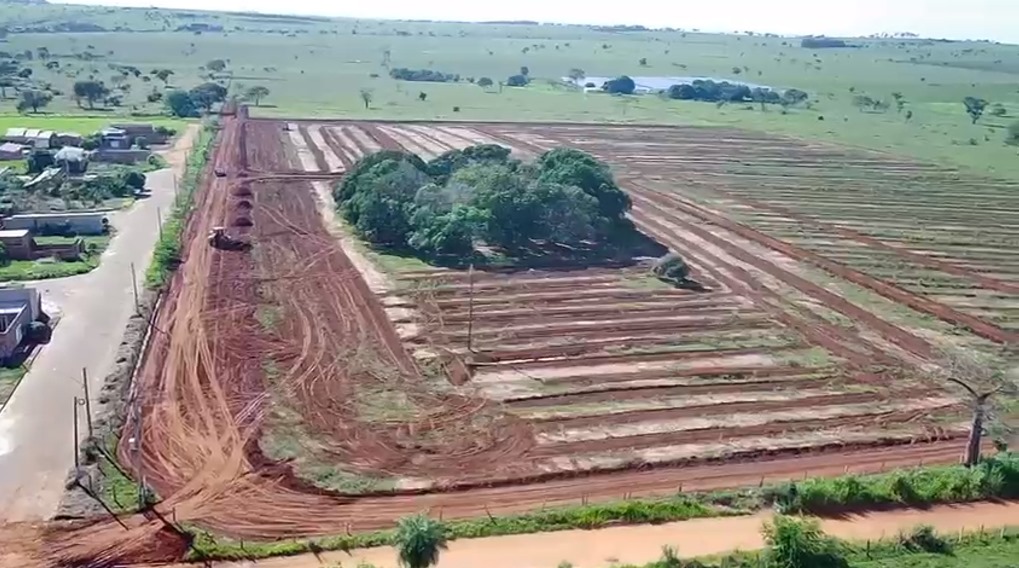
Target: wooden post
{"x": 134, "y": 285}
{"x": 88, "y": 401}
{"x": 159, "y": 222}
{"x": 77, "y": 459}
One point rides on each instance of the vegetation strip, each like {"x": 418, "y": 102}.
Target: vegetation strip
{"x": 994, "y": 478}
{"x": 166, "y": 255}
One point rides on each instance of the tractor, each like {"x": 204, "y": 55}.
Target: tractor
{"x": 220, "y": 240}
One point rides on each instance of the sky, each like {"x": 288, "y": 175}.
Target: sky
{"x": 954, "y": 19}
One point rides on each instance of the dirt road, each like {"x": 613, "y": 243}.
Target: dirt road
{"x": 643, "y": 544}
{"x": 36, "y": 447}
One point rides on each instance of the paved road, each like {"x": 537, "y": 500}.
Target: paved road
{"x": 36, "y": 426}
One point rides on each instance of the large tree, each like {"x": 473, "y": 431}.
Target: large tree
{"x": 975, "y": 107}
{"x": 573, "y": 167}
{"x": 208, "y": 94}
{"x": 257, "y": 93}
{"x": 181, "y": 104}
{"x": 34, "y": 99}
{"x": 216, "y": 65}
{"x": 91, "y": 91}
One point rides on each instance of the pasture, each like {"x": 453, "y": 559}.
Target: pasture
{"x": 319, "y": 67}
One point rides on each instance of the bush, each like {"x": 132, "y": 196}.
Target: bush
{"x": 792, "y": 543}
{"x": 672, "y": 268}
{"x": 924, "y": 539}
{"x": 517, "y": 81}
{"x": 404, "y": 74}
{"x": 485, "y": 82}
{"x": 37, "y": 332}
{"x": 622, "y": 85}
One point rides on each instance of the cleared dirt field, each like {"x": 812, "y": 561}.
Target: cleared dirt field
{"x": 578, "y": 383}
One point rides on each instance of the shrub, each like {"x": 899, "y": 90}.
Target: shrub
{"x": 671, "y": 268}
{"x": 37, "y": 332}
{"x": 404, "y": 74}
{"x": 622, "y": 85}
{"x": 418, "y": 541}
{"x": 517, "y": 81}
{"x": 792, "y": 543}
{"x": 923, "y": 539}
{"x": 485, "y": 82}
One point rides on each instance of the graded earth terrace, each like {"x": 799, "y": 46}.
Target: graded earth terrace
{"x": 301, "y": 390}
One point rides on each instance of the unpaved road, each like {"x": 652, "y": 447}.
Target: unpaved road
{"x": 36, "y": 425}
{"x": 643, "y": 543}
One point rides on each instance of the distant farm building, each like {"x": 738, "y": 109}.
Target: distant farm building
{"x": 68, "y": 139}
{"x": 77, "y": 223}
{"x": 136, "y": 131}
{"x": 21, "y": 245}
{"x": 115, "y": 139}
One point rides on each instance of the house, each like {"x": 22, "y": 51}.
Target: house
{"x": 71, "y": 222}
{"x": 115, "y": 139}
{"x": 138, "y": 130}
{"x": 31, "y": 137}
{"x": 11, "y": 151}
{"x": 16, "y": 136}
{"x": 68, "y": 139}
{"x": 72, "y": 160}
{"x": 19, "y": 307}
{"x": 17, "y": 243}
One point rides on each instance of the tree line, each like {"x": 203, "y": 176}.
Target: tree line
{"x": 448, "y": 206}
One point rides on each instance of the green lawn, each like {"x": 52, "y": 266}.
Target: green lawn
{"x": 9, "y": 379}
{"x": 17, "y": 166}
{"x": 1000, "y": 554}
{"x": 42, "y": 269}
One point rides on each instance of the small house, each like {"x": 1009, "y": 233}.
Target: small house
{"x": 146, "y": 131}
{"x": 17, "y": 243}
{"x": 41, "y": 139}
{"x": 19, "y": 307}
{"x": 11, "y": 151}
{"x": 68, "y": 139}
{"x": 115, "y": 139}
{"x": 16, "y": 136}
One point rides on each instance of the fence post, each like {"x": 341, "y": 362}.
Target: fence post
{"x": 88, "y": 402}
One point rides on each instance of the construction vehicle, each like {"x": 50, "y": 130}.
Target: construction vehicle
{"x": 220, "y": 240}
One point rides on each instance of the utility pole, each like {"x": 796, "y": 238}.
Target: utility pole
{"x": 470, "y": 309}
{"x": 138, "y": 453}
{"x": 77, "y": 458}
{"x": 88, "y": 402}
{"x": 134, "y": 285}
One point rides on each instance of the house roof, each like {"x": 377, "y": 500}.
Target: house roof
{"x": 113, "y": 132}
{"x": 13, "y": 233}
{"x": 15, "y": 133}
{"x": 10, "y": 147}
{"x": 70, "y": 154}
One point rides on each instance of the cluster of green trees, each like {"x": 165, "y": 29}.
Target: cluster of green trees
{"x": 622, "y": 85}
{"x": 190, "y": 104}
{"x": 479, "y": 194}
{"x": 404, "y": 74}
{"x": 724, "y": 91}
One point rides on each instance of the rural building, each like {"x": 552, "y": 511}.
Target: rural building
{"x": 115, "y": 139}
{"x": 72, "y": 160}
{"x": 19, "y": 307}
{"x": 68, "y": 139}
{"x": 33, "y": 137}
{"x": 11, "y": 151}
{"x": 146, "y": 131}
{"x": 73, "y": 222}
{"x": 18, "y": 243}
{"x": 111, "y": 156}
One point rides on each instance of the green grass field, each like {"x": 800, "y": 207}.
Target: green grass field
{"x": 317, "y": 67}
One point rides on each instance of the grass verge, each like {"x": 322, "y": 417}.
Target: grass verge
{"x": 996, "y": 478}
{"x": 10, "y": 377}
{"x": 166, "y": 256}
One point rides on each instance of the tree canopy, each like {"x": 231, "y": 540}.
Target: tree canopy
{"x": 404, "y": 74}
{"x": 481, "y": 195}
{"x": 517, "y": 81}
{"x": 975, "y": 107}
{"x": 622, "y": 85}
{"x": 91, "y": 91}
{"x": 180, "y": 104}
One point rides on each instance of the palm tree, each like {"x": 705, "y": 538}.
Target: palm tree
{"x": 418, "y": 541}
